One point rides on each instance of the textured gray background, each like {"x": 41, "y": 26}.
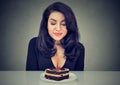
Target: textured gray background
{"x": 98, "y": 21}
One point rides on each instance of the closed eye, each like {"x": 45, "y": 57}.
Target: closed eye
{"x": 53, "y": 23}
{"x": 63, "y": 24}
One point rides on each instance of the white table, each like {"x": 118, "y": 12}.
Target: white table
{"x": 83, "y": 78}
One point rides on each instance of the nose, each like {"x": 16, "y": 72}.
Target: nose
{"x": 58, "y": 28}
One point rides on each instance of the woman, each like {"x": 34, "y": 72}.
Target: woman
{"x": 57, "y": 45}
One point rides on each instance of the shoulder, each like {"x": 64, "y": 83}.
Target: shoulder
{"x": 33, "y": 42}
{"x": 80, "y": 46}
{"x": 33, "y": 39}
{"x": 75, "y": 47}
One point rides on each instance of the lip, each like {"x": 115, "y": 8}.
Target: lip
{"x": 57, "y": 34}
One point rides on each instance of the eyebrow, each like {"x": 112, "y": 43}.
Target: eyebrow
{"x": 56, "y": 20}
{"x": 52, "y": 19}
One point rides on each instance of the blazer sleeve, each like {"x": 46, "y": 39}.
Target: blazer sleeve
{"x": 79, "y": 66}
{"x": 31, "y": 62}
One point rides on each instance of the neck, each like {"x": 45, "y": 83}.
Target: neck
{"x": 57, "y": 42}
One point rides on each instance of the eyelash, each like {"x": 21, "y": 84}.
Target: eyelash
{"x": 55, "y": 23}
{"x": 63, "y": 24}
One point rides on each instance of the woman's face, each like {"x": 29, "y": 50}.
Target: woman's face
{"x": 57, "y": 26}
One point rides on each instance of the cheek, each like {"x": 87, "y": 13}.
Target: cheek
{"x": 50, "y": 30}
{"x": 50, "y": 27}
{"x": 65, "y": 31}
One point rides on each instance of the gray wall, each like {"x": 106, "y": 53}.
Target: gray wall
{"x": 98, "y": 21}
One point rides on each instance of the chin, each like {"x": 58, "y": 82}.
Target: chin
{"x": 58, "y": 39}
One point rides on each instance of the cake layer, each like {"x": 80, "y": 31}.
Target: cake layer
{"x": 54, "y": 71}
{"x": 57, "y": 75}
{"x": 56, "y": 78}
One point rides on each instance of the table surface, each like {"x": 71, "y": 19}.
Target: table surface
{"x": 83, "y": 78}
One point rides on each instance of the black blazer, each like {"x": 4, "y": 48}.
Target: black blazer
{"x": 38, "y": 61}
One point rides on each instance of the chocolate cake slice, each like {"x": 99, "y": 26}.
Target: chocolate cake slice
{"x": 55, "y": 74}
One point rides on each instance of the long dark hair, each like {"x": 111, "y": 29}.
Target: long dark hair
{"x": 46, "y": 43}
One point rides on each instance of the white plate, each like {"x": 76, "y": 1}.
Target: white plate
{"x": 72, "y": 77}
